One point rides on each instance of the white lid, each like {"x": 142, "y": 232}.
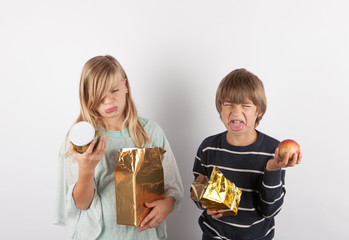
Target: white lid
{"x": 82, "y": 133}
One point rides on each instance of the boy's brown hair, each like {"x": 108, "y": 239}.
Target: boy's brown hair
{"x": 239, "y": 86}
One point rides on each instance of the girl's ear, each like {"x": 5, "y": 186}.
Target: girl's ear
{"x": 126, "y": 84}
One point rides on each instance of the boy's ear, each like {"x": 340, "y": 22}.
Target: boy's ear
{"x": 259, "y": 115}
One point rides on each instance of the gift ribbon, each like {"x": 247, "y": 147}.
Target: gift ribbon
{"x": 234, "y": 200}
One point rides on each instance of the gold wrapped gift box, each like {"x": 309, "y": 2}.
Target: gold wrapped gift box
{"x": 218, "y": 193}
{"x": 139, "y": 179}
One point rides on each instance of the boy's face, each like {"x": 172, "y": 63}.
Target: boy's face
{"x": 239, "y": 119}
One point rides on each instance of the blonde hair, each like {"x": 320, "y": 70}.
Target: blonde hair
{"x": 239, "y": 86}
{"x": 96, "y": 82}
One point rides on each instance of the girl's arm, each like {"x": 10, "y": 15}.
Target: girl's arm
{"x": 84, "y": 189}
{"x": 172, "y": 183}
{"x": 160, "y": 210}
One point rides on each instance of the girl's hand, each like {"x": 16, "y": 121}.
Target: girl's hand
{"x": 277, "y": 163}
{"x": 88, "y": 160}
{"x": 160, "y": 210}
{"x": 213, "y": 213}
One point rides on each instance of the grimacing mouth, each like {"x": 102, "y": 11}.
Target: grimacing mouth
{"x": 237, "y": 121}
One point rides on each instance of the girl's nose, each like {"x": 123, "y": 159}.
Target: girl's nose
{"x": 108, "y": 99}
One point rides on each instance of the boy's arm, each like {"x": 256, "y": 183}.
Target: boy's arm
{"x": 199, "y": 168}
{"x": 271, "y": 189}
{"x": 271, "y": 192}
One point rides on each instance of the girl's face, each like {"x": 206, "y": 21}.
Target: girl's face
{"x": 240, "y": 119}
{"x": 112, "y": 106}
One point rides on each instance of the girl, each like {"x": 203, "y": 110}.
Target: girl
{"x": 86, "y": 193}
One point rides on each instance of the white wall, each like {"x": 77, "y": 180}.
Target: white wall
{"x": 175, "y": 53}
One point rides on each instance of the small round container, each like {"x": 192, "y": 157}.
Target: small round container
{"x": 81, "y": 135}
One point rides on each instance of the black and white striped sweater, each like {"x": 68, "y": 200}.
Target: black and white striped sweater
{"x": 262, "y": 191}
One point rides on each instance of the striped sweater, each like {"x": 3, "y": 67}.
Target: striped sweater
{"x": 262, "y": 191}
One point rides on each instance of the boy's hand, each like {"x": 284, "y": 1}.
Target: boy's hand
{"x": 88, "y": 160}
{"x": 213, "y": 213}
{"x": 277, "y": 163}
{"x": 159, "y": 211}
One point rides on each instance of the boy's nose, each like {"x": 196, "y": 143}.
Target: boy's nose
{"x": 236, "y": 108}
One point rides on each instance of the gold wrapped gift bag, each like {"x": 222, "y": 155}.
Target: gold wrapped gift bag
{"x": 139, "y": 179}
{"x": 218, "y": 193}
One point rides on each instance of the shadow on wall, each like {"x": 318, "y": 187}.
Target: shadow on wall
{"x": 176, "y": 115}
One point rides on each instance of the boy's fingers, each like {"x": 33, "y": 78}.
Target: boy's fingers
{"x": 211, "y": 212}
{"x": 276, "y": 153}
{"x": 214, "y": 214}
{"x": 218, "y": 215}
{"x": 285, "y": 160}
{"x": 293, "y": 161}
{"x": 299, "y": 158}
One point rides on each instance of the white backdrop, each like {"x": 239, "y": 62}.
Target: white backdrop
{"x": 175, "y": 54}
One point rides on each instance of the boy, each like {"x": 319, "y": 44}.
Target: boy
{"x": 247, "y": 158}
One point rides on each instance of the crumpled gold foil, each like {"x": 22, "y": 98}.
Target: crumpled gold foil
{"x": 217, "y": 194}
{"x": 139, "y": 179}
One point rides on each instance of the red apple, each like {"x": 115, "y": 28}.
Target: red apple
{"x": 289, "y": 146}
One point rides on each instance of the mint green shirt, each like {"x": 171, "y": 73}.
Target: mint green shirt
{"x": 99, "y": 221}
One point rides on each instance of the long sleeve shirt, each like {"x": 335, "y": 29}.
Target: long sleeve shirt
{"x": 262, "y": 191}
{"x": 99, "y": 220}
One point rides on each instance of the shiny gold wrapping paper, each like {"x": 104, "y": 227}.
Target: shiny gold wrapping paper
{"x": 217, "y": 194}
{"x": 139, "y": 178}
